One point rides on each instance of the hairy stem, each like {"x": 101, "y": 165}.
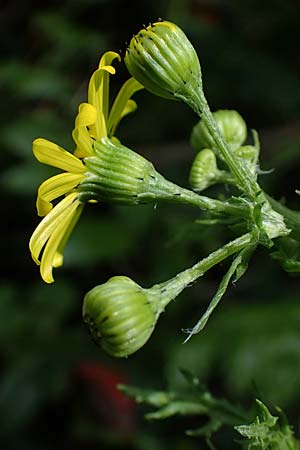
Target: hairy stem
{"x": 173, "y": 287}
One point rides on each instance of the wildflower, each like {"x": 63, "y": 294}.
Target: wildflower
{"x": 162, "y": 58}
{"x": 120, "y": 316}
{"x": 93, "y": 122}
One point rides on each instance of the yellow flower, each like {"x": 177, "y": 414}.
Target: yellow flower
{"x": 94, "y": 121}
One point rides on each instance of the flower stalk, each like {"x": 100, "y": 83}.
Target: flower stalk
{"x": 170, "y": 289}
{"x": 245, "y": 180}
{"x": 121, "y": 315}
{"x": 117, "y": 174}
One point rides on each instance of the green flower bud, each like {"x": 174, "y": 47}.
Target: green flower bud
{"x": 231, "y": 125}
{"x": 249, "y": 154}
{"x": 162, "y": 58}
{"x": 121, "y": 315}
{"x": 204, "y": 170}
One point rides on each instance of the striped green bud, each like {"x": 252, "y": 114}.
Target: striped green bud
{"x": 231, "y": 125}
{"x": 204, "y": 170}
{"x": 164, "y": 61}
{"x": 120, "y": 315}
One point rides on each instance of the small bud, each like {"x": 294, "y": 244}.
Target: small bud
{"x": 162, "y": 58}
{"x": 249, "y": 154}
{"x": 231, "y": 125}
{"x": 204, "y": 170}
{"x": 121, "y": 315}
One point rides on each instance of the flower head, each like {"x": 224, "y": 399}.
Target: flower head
{"x": 94, "y": 121}
{"x": 162, "y": 58}
{"x": 121, "y": 315}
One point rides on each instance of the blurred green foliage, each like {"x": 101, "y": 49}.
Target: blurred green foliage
{"x": 250, "y": 59}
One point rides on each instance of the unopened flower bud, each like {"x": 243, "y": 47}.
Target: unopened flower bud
{"x": 162, "y": 58}
{"x": 204, "y": 170}
{"x": 249, "y": 154}
{"x": 231, "y": 125}
{"x": 120, "y": 315}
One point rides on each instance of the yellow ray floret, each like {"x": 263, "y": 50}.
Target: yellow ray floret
{"x": 50, "y": 235}
{"x": 92, "y": 122}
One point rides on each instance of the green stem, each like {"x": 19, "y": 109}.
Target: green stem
{"x": 242, "y": 175}
{"x": 247, "y": 183}
{"x": 163, "y": 190}
{"x": 173, "y": 287}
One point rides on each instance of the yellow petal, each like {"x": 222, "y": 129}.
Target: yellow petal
{"x": 98, "y": 93}
{"x": 130, "y": 107}
{"x": 87, "y": 116}
{"x": 109, "y": 69}
{"x": 84, "y": 142}
{"x": 45, "y": 228}
{"x": 52, "y": 154}
{"x": 107, "y": 58}
{"x": 49, "y": 257}
{"x": 55, "y": 187}
{"x": 95, "y": 97}
{"x": 126, "y": 92}
{"x": 58, "y": 257}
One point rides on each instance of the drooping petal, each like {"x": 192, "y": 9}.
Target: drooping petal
{"x": 84, "y": 142}
{"x": 55, "y": 187}
{"x": 52, "y": 154}
{"x": 45, "y": 228}
{"x": 87, "y": 116}
{"x": 98, "y": 94}
{"x": 107, "y": 58}
{"x": 58, "y": 257}
{"x": 127, "y": 90}
{"x": 50, "y": 256}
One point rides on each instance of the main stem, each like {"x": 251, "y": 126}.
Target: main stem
{"x": 246, "y": 182}
{"x": 173, "y": 287}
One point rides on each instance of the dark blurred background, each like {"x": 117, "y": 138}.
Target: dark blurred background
{"x": 57, "y": 389}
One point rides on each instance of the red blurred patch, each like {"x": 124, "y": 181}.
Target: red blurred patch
{"x": 100, "y": 388}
